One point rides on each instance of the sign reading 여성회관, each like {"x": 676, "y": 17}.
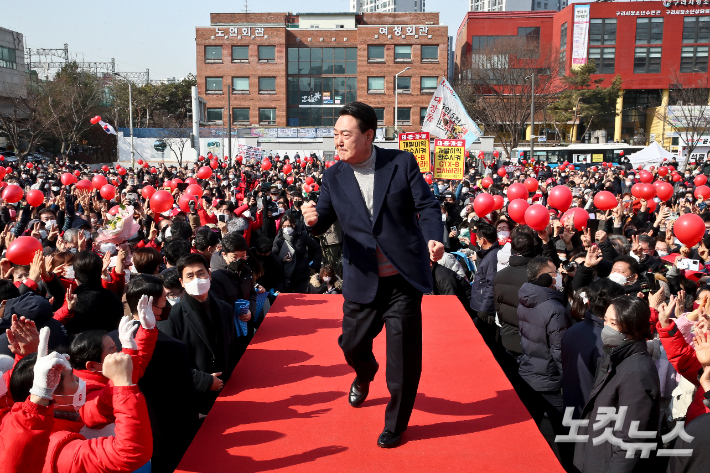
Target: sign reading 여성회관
{"x": 418, "y": 145}
{"x": 449, "y": 159}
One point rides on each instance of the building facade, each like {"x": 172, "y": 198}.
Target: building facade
{"x": 12, "y": 63}
{"x": 298, "y": 69}
{"x": 655, "y": 47}
{"x": 387, "y": 6}
{"x": 516, "y": 5}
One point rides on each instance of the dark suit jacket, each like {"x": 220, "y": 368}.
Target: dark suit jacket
{"x": 405, "y": 217}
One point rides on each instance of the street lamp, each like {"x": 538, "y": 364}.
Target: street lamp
{"x": 532, "y": 116}
{"x": 130, "y": 117}
{"x": 229, "y": 120}
{"x": 396, "y": 90}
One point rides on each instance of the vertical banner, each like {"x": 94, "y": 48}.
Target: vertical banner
{"x": 418, "y": 145}
{"x": 580, "y": 35}
{"x": 449, "y": 159}
{"x": 446, "y": 116}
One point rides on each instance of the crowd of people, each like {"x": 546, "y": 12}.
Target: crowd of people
{"x": 124, "y": 322}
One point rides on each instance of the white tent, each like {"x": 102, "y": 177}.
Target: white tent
{"x": 651, "y": 155}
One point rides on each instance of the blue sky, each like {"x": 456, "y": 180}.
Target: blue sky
{"x": 159, "y": 35}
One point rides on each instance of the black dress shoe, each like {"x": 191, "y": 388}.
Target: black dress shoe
{"x": 389, "y": 439}
{"x": 358, "y": 393}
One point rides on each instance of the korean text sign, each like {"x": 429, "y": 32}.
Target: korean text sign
{"x": 449, "y": 159}
{"x": 418, "y": 145}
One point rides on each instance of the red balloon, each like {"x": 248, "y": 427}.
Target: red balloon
{"x": 651, "y": 205}
{"x": 153, "y": 171}
{"x": 306, "y": 188}
{"x": 77, "y": 173}
{"x": 239, "y": 159}
{"x": 147, "y": 192}
{"x": 516, "y": 210}
{"x": 204, "y": 173}
{"x": 310, "y": 180}
{"x": 579, "y": 217}
{"x": 184, "y": 202}
{"x": 336, "y": 157}
{"x": 662, "y": 171}
{"x": 500, "y": 202}
{"x": 537, "y": 217}
{"x": 621, "y": 153}
{"x": 524, "y": 161}
{"x": 12, "y": 193}
{"x": 68, "y": 179}
{"x": 605, "y": 200}
{"x": 676, "y": 177}
{"x": 224, "y": 165}
{"x": 496, "y": 153}
{"x": 531, "y": 184}
{"x": 560, "y": 197}
{"x": 672, "y": 168}
{"x": 643, "y": 191}
{"x": 700, "y": 179}
{"x": 122, "y": 171}
{"x": 114, "y": 210}
{"x": 484, "y": 204}
{"x": 646, "y": 177}
{"x": 664, "y": 191}
{"x": 116, "y": 181}
{"x": 177, "y": 181}
{"x": 304, "y": 163}
{"x": 23, "y": 249}
{"x": 315, "y": 187}
{"x": 140, "y": 162}
{"x": 191, "y": 180}
{"x": 161, "y": 201}
{"x": 98, "y": 181}
{"x": 84, "y": 185}
{"x": 517, "y": 191}
{"x": 8, "y": 170}
{"x": 486, "y": 182}
{"x": 201, "y": 158}
{"x": 209, "y": 155}
{"x": 429, "y": 180}
{"x": 481, "y": 155}
{"x": 195, "y": 190}
{"x": 104, "y": 168}
{"x": 30, "y": 165}
{"x": 146, "y": 165}
{"x": 266, "y": 164}
{"x": 289, "y": 180}
{"x": 108, "y": 192}
{"x": 214, "y": 164}
{"x": 703, "y": 191}
{"x": 2, "y": 158}
{"x": 35, "y": 197}
{"x": 287, "y": 169}
{"x": 689, "y": 229}
{"x": 309, "y": 159}
{"x": 168, "y": 183}
{"x": 95, "y": 120}
{"x": 502, "y": 172}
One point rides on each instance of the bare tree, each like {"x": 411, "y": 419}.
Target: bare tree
{"x": 176, "y": 138}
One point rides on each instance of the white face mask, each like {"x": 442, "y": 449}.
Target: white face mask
{"x": 79, "y": 397}
{"x": 69, "y": 272}
{"x": 108, "y": 248}
{"x": 326, "y": 279}
{"x": 72, "y": 250}
{"x": 87, "y": 234}
{"x": 503, "y": 235}
{"x": 197, "y": 287}
{"x": 562, "y": 257}
{"x": 42, "y": 234}
{"x": 443, "y": 217}
{"x": 173, "y": 300}
{"x": 288, "y": 231}
{"x": 464, "y": 190}
{"x": 618, "y": 278}
{"x": 442, "y": 188}
{"x": 661, "y": 254}
{"x": 558, "y": 282}
{"x": 49, "y": 224}
{"x": 246, "y": 214}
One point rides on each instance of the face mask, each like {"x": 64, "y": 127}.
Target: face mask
{"x": 288, "y": 231}
{"x": 231, "y": 176}
{"x": 197, "y": 287}
{"x": 558, "y": 282}
{"x": 618, "y": 278}
{"x": 173, "y": 300}
{"x": 79, "y": 397}
{"x": 687, "y": 176}
{"x": 611, "y": 337}
{"x": 326, "y": 279}
{"x": 562, "y": 257}
{"x": 297, "y": 204}
{"x": 442, "y": 188}
{"x": 42, "y": 234}
{"x": 87, "y": 234}
{"x": 465, "y": 190}
{"x": 279, "y": 186}
{"x": 24, "y": 176}
{"x": 443, "y": 217}
{"x": 503, "y": 235}
{"x": 49, "y": 224}
{"x": 72, "y": 250}
{"x": 69, "y": 272}
{"x": 246, "y": 214}
{"x": 281, "y": 210}
{"x": 56, "y": 189}
{"x": 661, "y": 254}
{"x": 107, "y": 248}
{"x": 236, "y": 266}
{"x": 628, "y": 183}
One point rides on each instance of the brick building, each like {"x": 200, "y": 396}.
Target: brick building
{"x": 298, "y": 69}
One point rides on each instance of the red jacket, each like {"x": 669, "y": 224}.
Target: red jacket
{"x": 682, "y": 357}
{"x": 23, "y": 434}
{"x": 205, "y": 218}
{"x": 131, "y": 448}
{"x": 116, "y": 284}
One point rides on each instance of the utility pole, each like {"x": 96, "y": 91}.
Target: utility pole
{"x": 532, "y": 118}
{"x": 130, "y": 118}
{"x": 229, "y": 120}
{"x": 396, "y": 105}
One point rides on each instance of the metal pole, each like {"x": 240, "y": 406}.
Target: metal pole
{"x": 532, "y": 119}
{"x": 396, "y": 90}
{"x": 196, "y": 121}
{"x": 229, "y": 119}
{"x": 130, "y": 118}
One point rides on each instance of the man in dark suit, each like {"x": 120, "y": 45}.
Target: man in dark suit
{"x": 391, "y": 230}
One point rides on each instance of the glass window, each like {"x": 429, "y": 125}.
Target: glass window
{"x": 647, "y": 61}
{"x": 430, "y": 53}
{"x": 602, "y": 31}
{"x": 380, "y": 112}
{"x": 375, "y": 85}
{"x": 402, "y": 53}
{"x": 267, "y": 85}
{"x": 240, "y": 53}
{"x": 604, "y": 58}
{"x": 649, "y": 30}
{"x": 404, "y": 116}
{"x": 267, "y": 116}
{"x": 268, "y": 53}
{"x": 563, "y": 63}
{"x": 694, "y": 59}
{"x": 404, "y": 84}
{"x": 240, "y": 85}
{"x": 429, "y": 84}
{"x": 240, "y": 115}
{"x": 531, "y": 35}
{"x": 696, "y": 29}
{"x": 8, "y": 58}
{"x": 563, "y": 37}
{"x": 213, "y": 85}
{"x": 422, "y": 115}
{"x": 214, "y": 115}
{"x": 213, "y": 53}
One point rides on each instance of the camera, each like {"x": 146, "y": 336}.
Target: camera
{"x": 570, "y": 266}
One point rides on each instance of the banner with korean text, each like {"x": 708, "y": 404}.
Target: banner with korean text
{"x": 449, "y": 159}
{"x": 446, "y": 116}
{"x": 580, "y": 35}
{"x": 418, "y": 145}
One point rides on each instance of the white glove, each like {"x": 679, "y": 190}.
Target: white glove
{"x": 126, "y": 333}
{"x": 145, "y": 312}
{"x": 48, "y": 368}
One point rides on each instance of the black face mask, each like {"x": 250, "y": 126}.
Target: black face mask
{"x": 297, "y": 204}
{"x": 237, "y": 266}
{"x": 164, "y": 312}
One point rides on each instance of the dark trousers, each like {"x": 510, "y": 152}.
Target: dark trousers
{"x": 398, "y": 307}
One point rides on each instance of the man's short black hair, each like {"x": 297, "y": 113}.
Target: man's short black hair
{"x": 537, "y": 266}
{"x": 522, "y": 243}
{"x": 363, "y": 113}
{"x": 234, "y": 242}
{"x": 175, "y": 249}
{"x": 8, "y": 290}
{"x": 180, "y": 230}
{"x": 143, "y": 285}
{"x": 487, "y": 231}
{"x": 204, "y": 238}
{"x": 633, "y": 264}
{"x": 262, "y": 246}
{"x": 87, "y": 346}
{"x": 87, "y": 267}
{"x": 171, "y": 279}
{"x": 192, "y": 258}
{"x": 23, "y": 378}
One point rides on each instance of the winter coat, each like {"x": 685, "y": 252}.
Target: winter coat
{"x": 630, "y": 379}
{"x": 38, "y": 309}
{"x": 506, "y": 285}
{"x": 305, "y": 249}
{"x": 482, "y": 297}
{"x": 25, "y": 431}
{"x": 581, "y": 349}
{"x": 316, "y": 286}
{"x": 698, "y": 462}
{"x": 96, "y": 309}
{"x": 542, "y": 321}
{"x": 229, "y": 287}
{"x": 274, "y": 276}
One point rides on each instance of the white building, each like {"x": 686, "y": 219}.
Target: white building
{"x": 12, "y": 63}
{"x": 516, "y": 5}
{"x": 387, "y": 6}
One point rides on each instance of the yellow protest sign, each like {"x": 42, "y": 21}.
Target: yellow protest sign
{"x": 418, "y": 145}
{"x": 449, "y": 159}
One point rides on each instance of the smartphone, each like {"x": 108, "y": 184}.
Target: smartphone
{"x": 454, "y": 229}
{"x": 131, "y": 196}
{"x": 182, "y": 186}
{"x": 689, "y": 264}
{"x": 222, "y": 217}
{"x": 673, "y": 216}
{"x": 593, "y": 225}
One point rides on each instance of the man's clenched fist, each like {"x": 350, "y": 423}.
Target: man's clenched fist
{"x": 310, "y": 214}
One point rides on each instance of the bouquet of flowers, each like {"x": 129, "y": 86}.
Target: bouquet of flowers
{"x": 120, "y": 226}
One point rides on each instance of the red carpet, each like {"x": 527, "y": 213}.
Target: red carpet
{"x": 285, "y": 407}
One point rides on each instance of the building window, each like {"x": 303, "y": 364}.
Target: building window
{"x": 318, "y": 61}
{"x": 213, "y": 54}
{"x": 328, "y": 91}
{"x": 647, "y": 61}
{"x": 240, "y": 53}
{"x": 696, "y": 29}
{"x": 404, "y": 116}
{"x": 602, "y": 31}
{"x": 531, "y": 35}
{"x": 240, "y": 85}
{"x": 430, "y": 53}
{"x": 428, "y": 85}
{"x": 375, "y": 85}
{"x": 404, "y": 85}
{"x": 267, "y": 85}
{"x": 422, "y": 115}
{"x": 563, "y": 37}
{"x": 563, "y": 63}
{"x": 214, "y": 115}
{"x": 240, "y": 116}
{"x": 267, "y": 116}
{"x": 649, "y": 30}
{"x": 267, "y": 53}
{"x": 380, "y": 112}
{"x": 604, "y": 59}
{"x": 375, "y": 54}
{"x": 213, "y": 85}
{"x": 402, "y": 54}
{"x": 694, "y": 59}
{"x": 8, "y": 58}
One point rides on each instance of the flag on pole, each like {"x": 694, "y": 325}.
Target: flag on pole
{"x": 107, "y": 128}
{"x": 447, "y": 118}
